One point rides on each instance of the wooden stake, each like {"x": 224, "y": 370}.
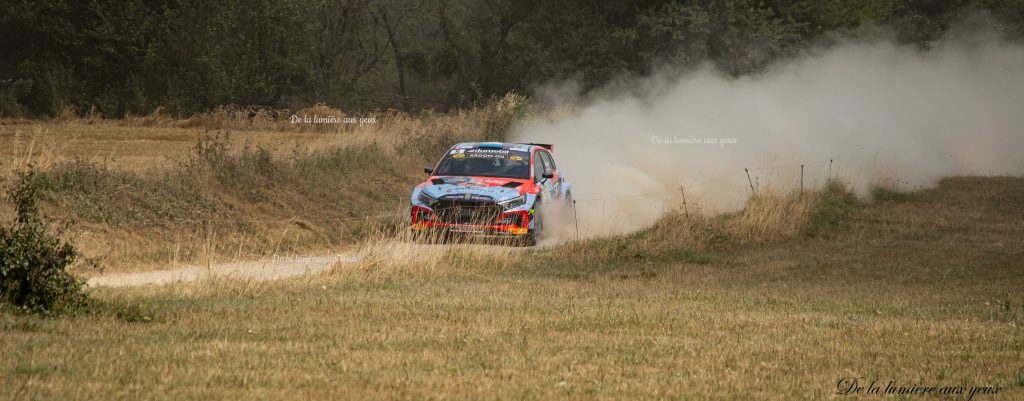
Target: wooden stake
{"x": 751, "y": 182}
{"x": 575, "y": 219}
{"x": 685, "y": 210}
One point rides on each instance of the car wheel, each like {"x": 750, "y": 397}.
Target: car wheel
{"x": 534, "y": 235}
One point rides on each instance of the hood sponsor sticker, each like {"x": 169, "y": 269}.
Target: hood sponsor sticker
{"x": 468, "y": 197}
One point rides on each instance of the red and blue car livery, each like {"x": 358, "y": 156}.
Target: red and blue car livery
{"x": 489, "y": 189}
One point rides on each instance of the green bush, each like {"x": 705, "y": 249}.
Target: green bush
{"x": 832, "y": 215}
{"x": 33, "y": 262}
{"x": 891, "y": 194}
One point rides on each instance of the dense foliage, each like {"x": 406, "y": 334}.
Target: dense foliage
{"x": 132, "y": 56}
{"x": 33, "y": 262}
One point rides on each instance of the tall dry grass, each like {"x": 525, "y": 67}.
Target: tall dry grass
{"x": 36, "y": 146}
{"x": 138, "y": 143}
{"x": 770, "y": 216}
{"x": 383, "y": 260}
{"x": 679, "y": 235}
{"x": 491, "y": 118}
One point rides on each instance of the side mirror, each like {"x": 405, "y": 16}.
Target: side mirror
{"x": 428, "y": 170}
{"x": 548, "y": 175}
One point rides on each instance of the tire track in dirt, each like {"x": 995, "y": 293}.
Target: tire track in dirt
{"x": 269, "y": 269}
{"x": 285, "y": 267}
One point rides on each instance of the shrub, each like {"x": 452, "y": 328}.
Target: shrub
{"x": 884, "y": 193}
{"x": 836, "y": 203}
{"x": 33, "y": 263}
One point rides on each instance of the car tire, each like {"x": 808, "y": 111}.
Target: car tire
{"x": 533, "y": 236}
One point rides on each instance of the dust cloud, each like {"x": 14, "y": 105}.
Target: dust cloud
{"x": 884, "y": 114}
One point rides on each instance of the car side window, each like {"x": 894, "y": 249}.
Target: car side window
{"x": 549, "y": 163}
{"x": 538, "y": 166}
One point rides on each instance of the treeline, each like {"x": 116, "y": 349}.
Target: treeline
{"x": 132, "y": 56}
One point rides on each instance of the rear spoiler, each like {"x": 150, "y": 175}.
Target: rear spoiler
{"x": 547, "y": 146}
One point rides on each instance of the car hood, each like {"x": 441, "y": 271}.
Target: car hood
{"x": 475, "y": 188}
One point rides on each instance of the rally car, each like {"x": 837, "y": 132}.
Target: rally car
{"x": 489, "y": 189}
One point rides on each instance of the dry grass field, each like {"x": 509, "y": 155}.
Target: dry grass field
{"x": 140, "y": 143}
{"x": 779, "y": 301}
{"x": 922, "y": 289}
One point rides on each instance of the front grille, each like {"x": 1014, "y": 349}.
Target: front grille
{"x": 467, "y": 212}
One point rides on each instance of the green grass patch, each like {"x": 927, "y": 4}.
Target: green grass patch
{"x": 887, "y": 194}
{"x": 831, "y": 215}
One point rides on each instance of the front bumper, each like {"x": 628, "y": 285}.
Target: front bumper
{"x": 424, "y": 219}
{"x": 472, "y": 229}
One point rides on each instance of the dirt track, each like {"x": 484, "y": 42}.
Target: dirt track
{"x": 282, "y": 267}
{"x": 270, "y": 269}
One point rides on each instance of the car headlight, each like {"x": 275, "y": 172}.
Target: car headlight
{"x": 513, "y": 203}
{"x": 426, "y": 199}
{"x": 512, "y": 218}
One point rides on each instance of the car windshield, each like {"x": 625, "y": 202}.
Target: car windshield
{"x": 485, "y": 162}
